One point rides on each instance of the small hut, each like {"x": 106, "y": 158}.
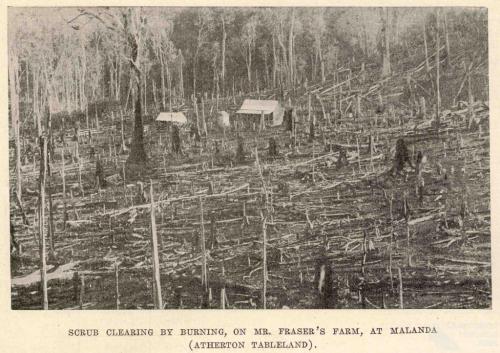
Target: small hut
{"x": 262, "y": 113}
{"x": 172, "y": 117}
{"x": 166, "y": 120}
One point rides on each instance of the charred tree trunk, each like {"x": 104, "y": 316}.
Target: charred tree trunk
{"x": 137, "y": 155}
{"x": 137, "y": 158}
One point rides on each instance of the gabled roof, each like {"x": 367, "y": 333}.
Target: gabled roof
{"x": 173, "y": 117}
{"x": 255, "y": 106}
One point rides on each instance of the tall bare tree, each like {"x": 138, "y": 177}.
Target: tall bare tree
{"x": 128, "y": 25}
{"x": 446, "y": 38}
{"x": 226, "y": 18}
{"x": 291, "y": 61}
{"x": 248, "y": 37}
{"x": 438, "y": 92}
{"x": 14, "y": 105}
{"x": 203, "y": 23}
{"x": 424, "y": 30}
{"x": 386, "y": 52}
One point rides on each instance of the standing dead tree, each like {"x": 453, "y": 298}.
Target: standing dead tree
{"x": 386, "y": 52}
{"x": 155, "y": 259}
{"x": 128, "y": 25}
{"x": 41, "y": 220}
{"x": 424, "y": 31}
{"x": 204, "y": 271}
{"x": 14, "y": 110}
{"x": 267, "y": 212}
{"x": 438, "y": 93}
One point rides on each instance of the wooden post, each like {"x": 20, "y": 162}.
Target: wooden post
{"x": 110, "y": 148}
{"x": 87, "y": 115}
{"x": 204, "y": 122}
{"x": 82, "y": 290}
{"x": 401, "y": 306}
{"x": 371, "y": 142}
{"x": 41, "y": 221}
{"x": 77, "y": 148}
{"x": 423, "y": 109}
{"x": 96, "y": 118}
{"x": 390, "y": 245}
{"x": 313, "y": 165}
{"x": 170, "y": 92}
{"x": 80, "y": 177}
{"x": 294, "y": 131}
{"x": 204, "y": 275}
{"x": 73, "y": 204}
{"x": 470, "y": 97}
{"x": 325, "y": 118}
{"x": 196, "y": 112}
{"x": 234, "y": 94}
{"x": 359, "y": 155}
{"x": 264, "y": 264}
{"x": 51, "y": 228}
{"x": 115, "y": 155}
{"x": 76, "y": 285}
{"x": 210, "y": 297}
{"x": 408, "y": 251}
{"x": 123, "y": 147}
{"x": 223, "y": 298}
{"x": 363, "y": 260}
{"x": 349, "y": 79}
{"x": 117, "y": 287}
{"x": 309, "y": 108}
{"x": 406, "y": 213}
{"x": 156, "y": 263}
{"x": 245, "y": 218}
{"x": 358, "y": 106}
{"x": 124, "y": 182}
{"x": 63, "y": 175}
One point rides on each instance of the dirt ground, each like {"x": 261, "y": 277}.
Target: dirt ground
{"x": 442, "y": 248}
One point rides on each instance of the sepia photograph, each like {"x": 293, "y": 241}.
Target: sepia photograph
{"x": 248, "y": 158}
